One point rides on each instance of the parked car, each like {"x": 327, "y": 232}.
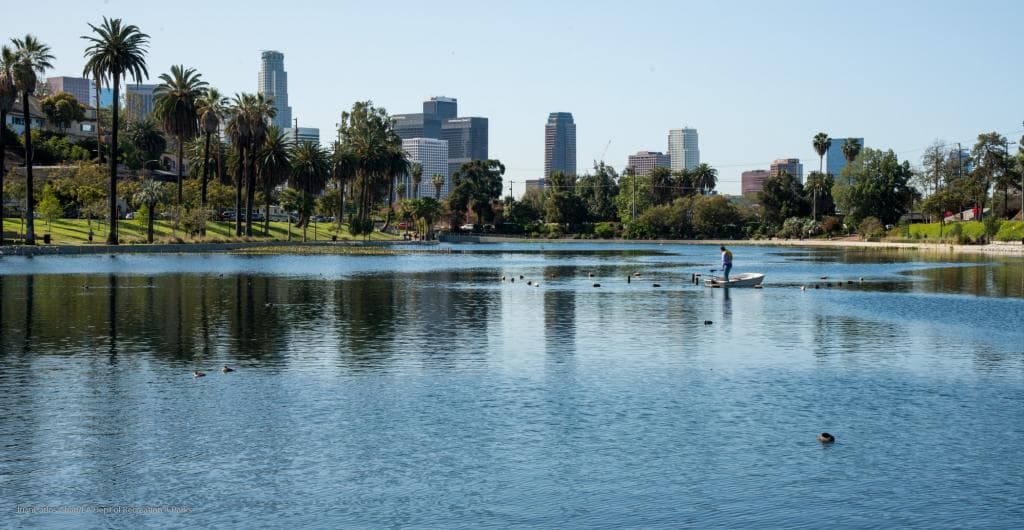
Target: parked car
{"x": 468, "y": 227}
{"x": 129, "y": 216}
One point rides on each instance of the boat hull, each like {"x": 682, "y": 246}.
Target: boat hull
{"x": 750, "y": 279}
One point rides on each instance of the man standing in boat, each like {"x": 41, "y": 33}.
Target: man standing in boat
{"x": 726, "y": 263}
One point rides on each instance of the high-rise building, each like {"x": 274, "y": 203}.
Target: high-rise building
{"x": 138, "y": 100}
{"x": 303, "y": 134}
{"x": 560, "y": 144}
{"x": 683, "y": 149}
{"x": 444, "y": 108}
{"x": 467, "y": 140}
{"x": 789, "y": 165}
{"x": 426, "y": 124}
{"x": 644, "y": 161}
{"x": 273, "y": 83}
{"x": 834, "y": 159}
{"x": 76, "y": 86}
{"x": 432, "y": 154}
{"x": 753, "y": 180}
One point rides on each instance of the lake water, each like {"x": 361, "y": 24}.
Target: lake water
{"x": 421, "y": 390}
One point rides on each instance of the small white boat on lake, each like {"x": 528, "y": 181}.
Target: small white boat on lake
{"x": 746, "y": 279}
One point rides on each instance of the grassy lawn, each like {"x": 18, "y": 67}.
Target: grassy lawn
{"x": 1008, "y": 231}
{"x": 76, "y": 232}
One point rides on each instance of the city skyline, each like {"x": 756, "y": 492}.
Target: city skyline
{"x": 891, "y": 102}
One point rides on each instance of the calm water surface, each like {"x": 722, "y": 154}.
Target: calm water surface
{"x": 421, "y": 390}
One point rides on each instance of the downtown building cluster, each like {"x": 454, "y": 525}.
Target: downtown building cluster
{"x": 752, "y": 181}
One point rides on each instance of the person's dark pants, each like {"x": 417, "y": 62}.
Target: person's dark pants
{"x": 727, "y": 268}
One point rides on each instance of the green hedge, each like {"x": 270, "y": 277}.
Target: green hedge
{"x": 969, "y": 230}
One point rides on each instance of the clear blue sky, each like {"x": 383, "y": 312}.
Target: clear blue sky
{"x": 757, "y": 79}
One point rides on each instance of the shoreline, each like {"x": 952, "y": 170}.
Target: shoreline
{"x": 189, "y": 248}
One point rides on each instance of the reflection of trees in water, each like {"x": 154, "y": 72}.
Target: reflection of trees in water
{"x": 1003, "y": 280}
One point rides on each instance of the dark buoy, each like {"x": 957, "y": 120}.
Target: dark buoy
{"x": 597, "y": 285}
{"x": 826, "y": 438}
{"x": 824, "y": 277}
{"x": 513, "y": 280}
{"x": 529, "y": 282}
{"x": 656, "y": 285}
{"x": 708, "y": 322}
{"x": 629, "y": 279}
{"x": 520, "y": 276}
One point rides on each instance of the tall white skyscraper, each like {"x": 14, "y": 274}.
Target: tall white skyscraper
{"x": 682, "y": 148}
{"x": 273, "y": 83}
{"x": 432, "y": 154}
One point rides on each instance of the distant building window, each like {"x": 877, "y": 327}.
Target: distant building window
{"x": 17, "y": 121}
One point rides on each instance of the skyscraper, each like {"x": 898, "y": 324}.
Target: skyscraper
{"x": 432, "y": 154}
{"x": 467, "y": 140}
{"x": 644, "y": 161}
{"x": 753, "y": 180}
{"x": 426, "y": 124}
{"x": 76, "y": 86}
{"x": 444, "y": 108}
{"x": 560, "y": 144}
{"x": 789, "y": 165}
{"x": 138, "y": 100}
{"x": 273, "y": 83}
{"x": 683, "y": 149}
{"x": 834, "y": 159}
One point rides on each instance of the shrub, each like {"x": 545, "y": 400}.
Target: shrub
{"x": 992, "y": 224}
{"x": 871, "y": 228}
{"x": 955, "y": 232}
{"x": 830, "y": 225}
{"x": 193, "y": 221}
{"x": 792, "y": 228}
{"x": 605, "y": 230}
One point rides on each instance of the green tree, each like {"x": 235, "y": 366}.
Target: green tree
{"x": 145, "y": 136}
{"x": 247, "y": 127}
{"x": 400, "y": 190}
{"x": 32, "y": 59}
{"x": 821, "y": 144}
{"x": 477, "y": 185}
{"x": 820, "y": 185}
{"x": 661, "y": 186}
{"x": 875, "y": 184}
{"x": 992, "y": 165}
{"x": 300, "y": 202}
{"x": 782, "y": 196}
{"x": 150, "y": 194}
{"x": 211, "y": 107}
{"x": 416, "y": 173}
{"x": 705, "y": 178}
{"x": 426, "y": 210}
{"x": 273, "y": 165}
{"x": 8, "y": 95}
{"x": 311, "y": 167}
{"x": 176, "y": 105}
{"x": 62, "y": 109}
{"x": 368, "y": 140}
{"x": 115, "y": 52}
{"x": 49, "y": 206}
{"x": 851, "y": 148}
{"x": 598, "y": 192}
{"x": 562, "y": 205}
{"x": 715, "y": 217}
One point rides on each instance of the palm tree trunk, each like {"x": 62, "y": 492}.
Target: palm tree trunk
{"x": 239, "y": 179}
{"x": 112, "y": 233}
{"x": 3, "y": 169}
{"x": 181, "y": 153}
{"x": 149, "y": 225}
{"x": 206, "y": 176}
{"x": 250, "y": 197}
{"x": 341, "y": 203}
{"x": 30, "y": 232}
{"x": 266, "y": 210}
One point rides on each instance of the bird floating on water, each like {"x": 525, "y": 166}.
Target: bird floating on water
{"x": 227, "y": 369}
{"x": 197, "y": 373}
{"x": 826, "y": 438}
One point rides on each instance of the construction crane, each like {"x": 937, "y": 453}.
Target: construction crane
{"x": 605, "y": 152}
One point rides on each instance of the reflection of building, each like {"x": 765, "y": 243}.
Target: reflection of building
{"x": 432, "y": 154}
{"x": 644, "y": 161}
{"x": 560, "y": 144}
{"x": 753, "y": 180}
{"x": 138, "y": 101}
{"x": 76, "y": 86}
{"x": 789, "y": 165}
{"x": 305, "y": 134}
{"x": 834, "y": 159}
{"x": 682, "y": 148}
{"x": 273, "y": 83}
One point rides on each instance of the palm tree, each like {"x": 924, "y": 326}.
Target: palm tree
{"x": 705, "y": 177}
{"x": 816, "y": 183}
{"x": 438, "y": 181}
{"x": 273, "y": 164}
{"x": 31, "y": 57}
{"x": 342, "y": 171}
{"x": 416, "y": 172}
{"x": 145, "y": 135}
{"x": 367, "y": 134}
{"x": 211, "y": 112}
{"x": 247, "y": 128}
{"x": 395, "y": 164}
{"x": 116, "y": 52}
{"x": 851, "y": 148}
{"x": 821, "y": 143}
{"x": 176, "y": 106}
{"x": 400, "y": 190}
{"x": 238, "y": 132}
{"x": 310, "y": 168}
{"x": 8, "y": 94}
{"x": 150, "y": 193}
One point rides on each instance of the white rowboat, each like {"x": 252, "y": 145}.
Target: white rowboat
{"x": 746, "y": 279}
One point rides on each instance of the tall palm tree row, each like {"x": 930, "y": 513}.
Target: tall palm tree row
{"x": 176, "y": 106}
{"x": 368, "y": 137}
{"x": 211, "y": 109}
{"x": 8, "y": 94}
{"x": 311, "y": 167}
{"x": 343, "y": 170}
{"x": 31, "y": 60}
{"x": 247, "y": 128}
{"x": 273, "y": 165}
{"x": 116, "y": 51}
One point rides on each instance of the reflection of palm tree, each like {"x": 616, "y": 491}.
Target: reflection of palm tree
{"x": 8, "y": 93}
{"x": 31, "y": 57}
{"x": 115, "y": 52}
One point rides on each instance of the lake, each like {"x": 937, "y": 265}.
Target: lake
{"x": 423, "y": 390}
